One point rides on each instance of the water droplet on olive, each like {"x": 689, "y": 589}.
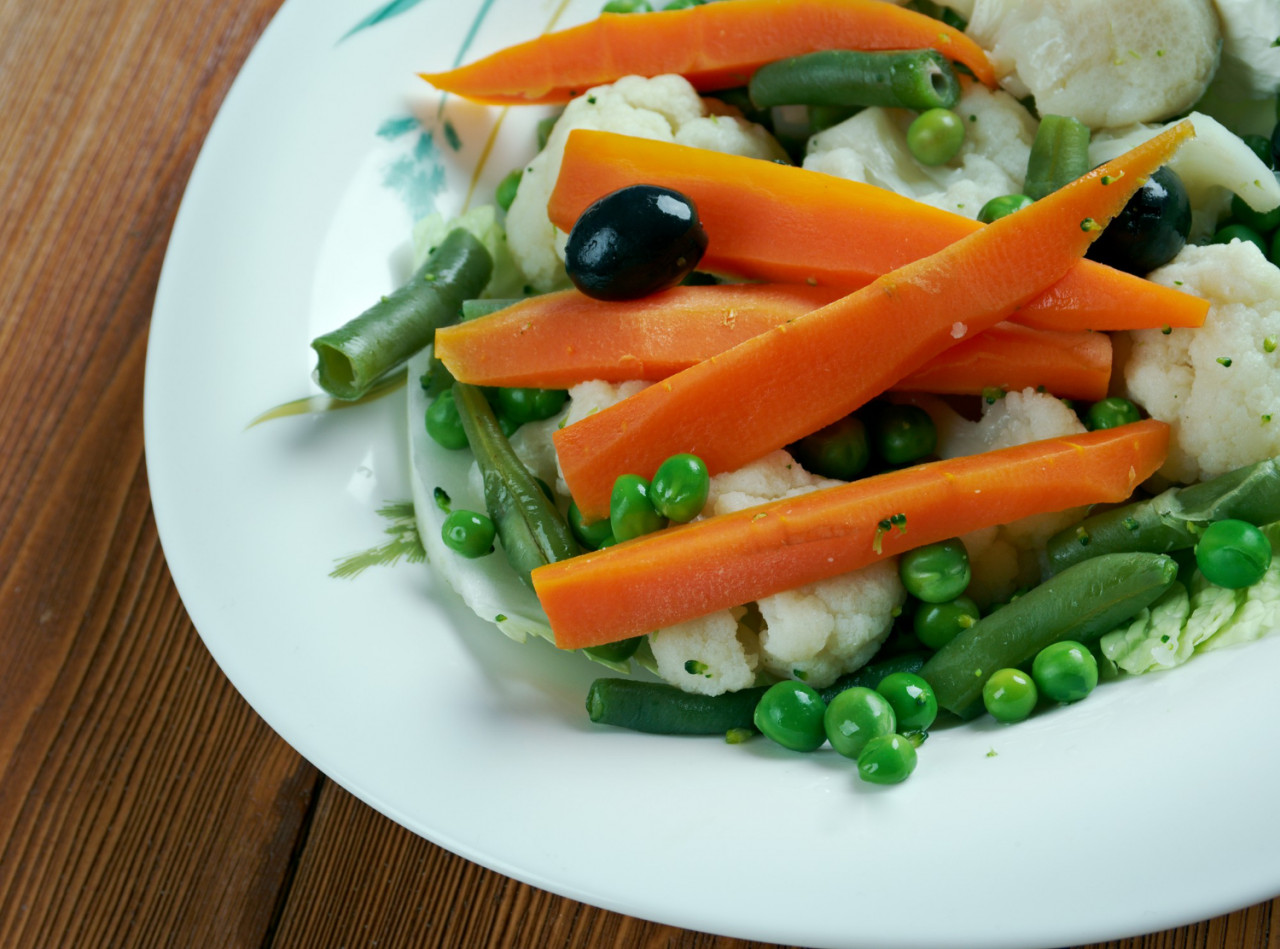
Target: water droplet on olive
{"x": 1152, "y": 228}
{"x": 633, "y": 242}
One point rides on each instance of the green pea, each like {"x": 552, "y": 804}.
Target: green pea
{"x": 791, "y": 713}
{"x": 631, "y": 511}
{"x": 468, "y": 533}
{"x": 529, "y": 405}
{"x": 903, "y": 434}
{"x": 1232, "y": 232}
{"x": 507, "y": 187}
{"x": 914, "y": 704}
{"x": 591, "y": 536}
{"x": 1263, "y": 222}
{"x": 854, "y": 717}
{"x": 936, "y": 624}
{"x": 1233, "y": 554}
{"x": 838, "y": 451}
{"x": 1110, "y": 412}
{"x": 615, "y": 652}
{"x": 1010, "y": 695}
{"x": 680, "y": 487}
{"x": 936, "y": 573}
{"x": 889, "y": 759}
{"x": 443, "y": 423}
{"x": 1003, "y": 206}
{"x": 627, "y": 6}
{"x": 935, "y": 137}
{"x": 1065, "y": 671}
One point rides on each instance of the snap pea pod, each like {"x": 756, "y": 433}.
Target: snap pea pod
{"x": 1081, "y": 603}
{"x": 353, "y": 357}
{"x": 1059, "y": 154}
{"x": 529, "y": 526}
{"x": 662, "y": 709}
{"x": 1175, "y": 519}
{"x": 909, "y": 79}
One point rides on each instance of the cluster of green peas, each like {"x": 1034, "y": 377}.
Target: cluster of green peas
{"x": 1261, "y": 229}
{"x": 637, "y": 506}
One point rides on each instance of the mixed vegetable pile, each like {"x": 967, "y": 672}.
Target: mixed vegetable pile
{"x": 811, "y": 367}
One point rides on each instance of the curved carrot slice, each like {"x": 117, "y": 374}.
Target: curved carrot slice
{"x": 772, "y": 222}
{"x": 688, "y": 571}
{"x": 777, "y": 387}
{"x": 560, "y": 339}
{"x": 714, "y": 46}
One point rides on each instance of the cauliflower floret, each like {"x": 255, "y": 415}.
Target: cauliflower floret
{"x": 1007, "y": 557}
{"x": 707, "y": 655}
{"x": 1212, "y": 165}
{"x": 1217, "y": 386}
{"x": 665, "y": 108}
{"x": 1250, "y": 56}
{"x": 1106, "y": 62}
{"x": 821, "y": 630}
{"x": 872, "y": 147}
{"x": 776, "y": 475}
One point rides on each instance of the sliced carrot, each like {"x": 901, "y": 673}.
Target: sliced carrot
{"x": 714, "y": 46}
{"x": 560, "y": 339}
{"x": 767, "y": 221}
{"x": 779, "y": 386}
{"x": 725, "y": 561}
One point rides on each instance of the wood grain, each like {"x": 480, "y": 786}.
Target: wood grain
{"x": 142, "y": 803}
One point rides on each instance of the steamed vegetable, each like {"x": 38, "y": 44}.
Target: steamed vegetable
{"x": 1080, "y": 603}
{"x": 724, "y": 561}
{"x": 767, "y": 221}
{"x": 563, "y": 338}
{"x": 775, "y": 388}
{"x": 910, "y": 79}
{"x": 353, "y": 357}
{"x": 714, "y": 46}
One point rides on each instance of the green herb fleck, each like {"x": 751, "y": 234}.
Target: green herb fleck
{"x": 443, "y": 501}
{"x": 1130, "y": 523}
{"x": 1166, "y": 329}
{"x": 1269, "y": 344}
{"x": 1224, "y": 361}
{"x": 500, "y": 618}
{"x": 1266, "y": 419}
{"x": 800, "y": 674}
{"x": 696, "y": 668}
{"x": 991, "y": 753}
{"x": 736, "y": 736}
{"x": 1089, "y": 224}
{"x": 1082, "y": 536}
{"x": 991, "y": 395}
{"x": 1164, "y": 638}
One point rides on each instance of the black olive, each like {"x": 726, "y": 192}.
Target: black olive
{"x": 1150, "y": 230}
{"x": 633, "y": 242}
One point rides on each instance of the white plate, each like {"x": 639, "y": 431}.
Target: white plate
{"x": 1148, "y": 806}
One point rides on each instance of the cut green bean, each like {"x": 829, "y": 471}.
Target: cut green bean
{"x": 530, "y": 527}
{"x": 1059, "y": 154}
{"x": 474, "y": 309}
{"x": 911, "y": 79}
{"x": 666, "y": 710}
{"x": 1175, "y": 519}
{"x": 355, "y": 356}
{"x": 1081, "y": 603}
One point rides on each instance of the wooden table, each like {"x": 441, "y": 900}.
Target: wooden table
{"x": 142, "y": 802}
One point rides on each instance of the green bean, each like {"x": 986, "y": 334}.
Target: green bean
{"x": 530, "y": 527}
{"x": 910, "y": 79}
{"x": 355, "y": 356}
{"x": 474, "y": 309}
{"x": 1059, "y": 154}
{"x": 1081, "y": 603}
{"x": 666, "y": 710}
{"x": 1175, "y": 519}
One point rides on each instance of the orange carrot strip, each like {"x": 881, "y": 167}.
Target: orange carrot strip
{"x": 714, "y": 46}
{"x": 1071, "y": 365}
{"x": 779, "y": 386}
{"x": 767, "y": 221}
{"x": 725, "y": 561}
{"x": 560, "y": 339}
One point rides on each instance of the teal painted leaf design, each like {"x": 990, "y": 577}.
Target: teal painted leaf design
{"x": 392, "y": 9}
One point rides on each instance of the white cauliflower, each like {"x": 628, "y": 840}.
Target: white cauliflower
{"x": 1106, "y": 62}
{"x": 1217, "y": 386}
{"x": 666, "y": 108}
{"x": 1212, "y": 165}
{"x": 1250, "y": 56}
{"x": 1006, "y": 557}
{"x": 872, "y": 147}
{"x": 814, "y": 633}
